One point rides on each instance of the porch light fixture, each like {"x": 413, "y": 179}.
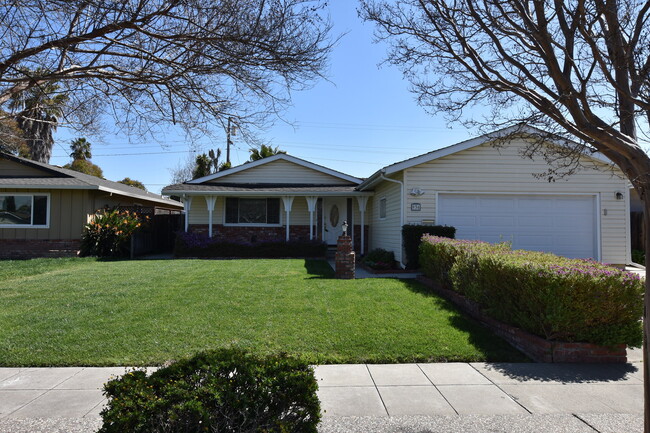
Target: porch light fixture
{"x": 619, "y": 195}
{"x": 344, "y": 226}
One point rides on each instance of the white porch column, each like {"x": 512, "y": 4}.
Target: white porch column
{"x": 288, "y": 201}
{"x": 210, "y": 200}
{"x": 187, "y": 205}
{"x": 311, "y": 205}
{"x": 362, "y": 200}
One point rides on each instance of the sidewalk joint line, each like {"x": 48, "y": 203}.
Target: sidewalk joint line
{"x": 29, "y": 402}
{"x": 501, "y": 389}
{"x": 586, "y": 423}
{"x": 377, "y": 389}
{"x": 437, "y": 389}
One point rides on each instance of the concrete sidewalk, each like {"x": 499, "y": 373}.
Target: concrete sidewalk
{"x": 504, "y": 397}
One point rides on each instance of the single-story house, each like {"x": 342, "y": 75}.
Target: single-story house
{"x": 487, "y": 192}
{"x": 43, "y": 208}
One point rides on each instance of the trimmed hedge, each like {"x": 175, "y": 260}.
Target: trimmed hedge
{"x": 196, "y": 245}
{"x": 411, "y": 236}
{"x": 553, "y": 297}
{"x": 227, "y": 390}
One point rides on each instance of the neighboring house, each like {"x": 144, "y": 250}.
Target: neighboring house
{"x": 486, "y": 192}
{"x": 43, "y": 208}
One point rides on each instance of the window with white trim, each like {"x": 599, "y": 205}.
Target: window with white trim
{"x": 252, "y": 211}
{"x": 382, "y": 208}
{"x": 24, "y": 210}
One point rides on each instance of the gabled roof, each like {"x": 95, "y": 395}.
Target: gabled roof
{"x": 280, "y": 156}
{"x": 464, "y": 145}
{"x": 62, "y": 178}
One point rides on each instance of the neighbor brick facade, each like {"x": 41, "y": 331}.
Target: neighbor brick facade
{"x": 31, "y": 248}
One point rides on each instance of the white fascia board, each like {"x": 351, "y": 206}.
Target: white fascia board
{"x": 273, "y": 193}
{"x": 282, "y": 156}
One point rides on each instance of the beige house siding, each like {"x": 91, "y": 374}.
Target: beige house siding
{"x": 69, "y": 210}
{"x": 281, "y": 171}
{"x": 502, "y": 170}
{"x": 11, "y": 168}
{"x": 386, "y": 232}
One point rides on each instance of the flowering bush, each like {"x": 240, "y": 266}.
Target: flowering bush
{"x": 109, "y": 233}
{"x": 550, "y": 296}
{"x": 379, "y": 259}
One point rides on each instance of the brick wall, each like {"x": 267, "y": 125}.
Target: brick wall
{"x": 344, "y": 258}
{"x": 243, "y": 234}
{"x": 537, "y": 348}
{"x": 357, "y": 238}
{"x": 32, "y": 248}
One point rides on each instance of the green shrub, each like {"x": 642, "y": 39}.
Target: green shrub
{"x": 553, "y": 297}
{"x": 412, "y": 235}
{"x": 198, "y": 245}
{"x": 379, "y": 259}
{"x": 109, "y": 233}
{"x": 227, "y": 390}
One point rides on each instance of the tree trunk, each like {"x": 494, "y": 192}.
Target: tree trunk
{"x": 646, "y": 322}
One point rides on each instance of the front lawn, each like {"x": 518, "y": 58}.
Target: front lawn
{"x": 86, "y": 312}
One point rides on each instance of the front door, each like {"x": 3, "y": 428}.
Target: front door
{"x": 335, "y": 211}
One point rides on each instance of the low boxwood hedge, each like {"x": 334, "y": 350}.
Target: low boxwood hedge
{"x": 197, "y": 245}
{"x": 219, "y": 391}
{"x": 554, "y": 297}
{"x": 411, "y": 236}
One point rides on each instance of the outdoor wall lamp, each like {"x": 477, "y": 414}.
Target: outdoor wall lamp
{"x": 619, "y": 196}
{"x": 344, "y": 226}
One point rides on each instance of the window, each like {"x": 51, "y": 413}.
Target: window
{"x": 382, "y": 208}
{"x": 23, "y": 210}
{"x": 253, "y": 211}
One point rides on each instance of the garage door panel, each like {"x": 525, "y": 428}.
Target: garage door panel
{"x": 564, "y": 225}
{"x": 496, "y": 221}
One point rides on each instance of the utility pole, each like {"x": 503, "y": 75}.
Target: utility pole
{"x": 231, "y": 129}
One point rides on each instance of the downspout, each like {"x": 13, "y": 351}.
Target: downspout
{"x": 402, "y": 209}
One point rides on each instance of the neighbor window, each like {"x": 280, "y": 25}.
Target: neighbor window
{"x": 24, "y": 210}
{"x": 252, "y": 210}
{"x": 382, "y": 208}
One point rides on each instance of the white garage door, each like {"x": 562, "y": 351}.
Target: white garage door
{"x": 564, "y": 225}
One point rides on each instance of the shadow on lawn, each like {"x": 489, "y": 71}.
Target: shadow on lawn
{"x": 493, "y": 348}
{"x": 318, "y": 269}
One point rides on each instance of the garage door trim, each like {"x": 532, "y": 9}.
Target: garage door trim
{"x": 597, "y": 206}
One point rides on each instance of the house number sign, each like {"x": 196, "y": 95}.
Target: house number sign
{"x": 416, "y": 207}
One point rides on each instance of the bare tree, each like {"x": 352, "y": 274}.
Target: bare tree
{"x": 580, "y": 69}
{"x": 148, "y": 63}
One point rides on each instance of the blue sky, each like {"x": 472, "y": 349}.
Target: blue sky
{"x": 361, "y": 120}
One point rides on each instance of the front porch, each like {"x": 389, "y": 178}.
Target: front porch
{"x": 249, "y": 219}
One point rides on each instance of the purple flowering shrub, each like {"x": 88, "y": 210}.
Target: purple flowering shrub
{"x": 550, "y": 296}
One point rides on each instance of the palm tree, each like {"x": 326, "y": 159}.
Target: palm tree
{"x": 264, "y": 152}
{"x": 80, "y": 149}
{"x": 37, "y": 111}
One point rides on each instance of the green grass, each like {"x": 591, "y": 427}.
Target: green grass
{"x": 85, "y": 312}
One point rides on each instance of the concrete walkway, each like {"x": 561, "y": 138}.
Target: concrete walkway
{"x": 369, "y": 398}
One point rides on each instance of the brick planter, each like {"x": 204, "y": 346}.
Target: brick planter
{"x": 537, "y": 348}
